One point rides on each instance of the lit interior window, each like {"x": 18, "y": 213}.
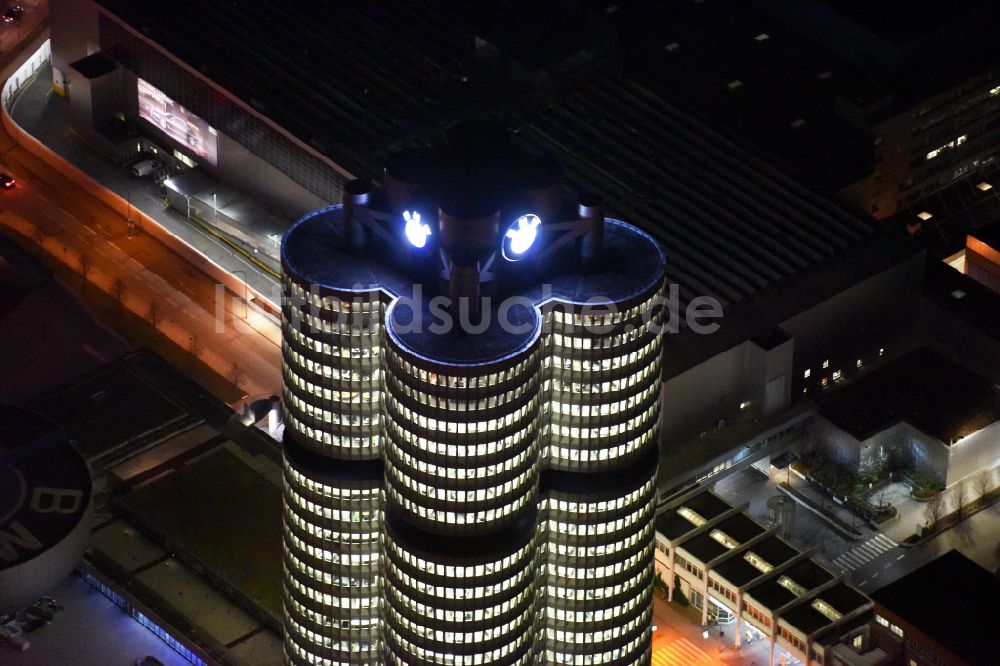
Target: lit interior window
{"x": 827, "y": 610}
{"x": 758, "y": 562}
{"x": 791, "y": 586}
{"x": 724, "y": 538}
{"x": 690, "y": 516}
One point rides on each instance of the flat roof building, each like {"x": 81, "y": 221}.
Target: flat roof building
{"x": 735, "y": 570}
{"x": 866, "y": 101}
{"x": 921, "y": 410}
{"x": 942, "y": 613}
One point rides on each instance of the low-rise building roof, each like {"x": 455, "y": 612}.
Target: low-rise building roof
{"x": 951, "y": 600}
{"x": 923, "y": 388}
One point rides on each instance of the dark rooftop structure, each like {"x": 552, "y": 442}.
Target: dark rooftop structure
{"x": 708, "y": 505}
{"x": 968, "y": 300}
{"x": 806, "y": 573}
{"x": 704, "y": 547}
{"x": 733, "y": 226}
{"x": 807, "y": 619}
{"x": 476, "y": 174}
{"x": 770, "y": 594}
{"x": 113, "y": 406}
{"x": 95, "y": 65}
{"x": 774, "y": 551}
{"x": 673, "y": 525}
{"x": 738, "y": 571}
{"x": 971, "y": 206}
{"x": 951, "y": 600}
{"x": 740, "y": 527}
{"x": 923, "y": 388}
{"x": 786, "y": 74}
{"x": 214, "y": 510}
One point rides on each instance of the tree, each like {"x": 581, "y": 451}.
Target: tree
{"x": 118, "y": 290}
{"x": 85, "y": 265}
{"x": 962, "y": 496}
{"x": 982, "y": 483}
{"x": 935, "y": 510}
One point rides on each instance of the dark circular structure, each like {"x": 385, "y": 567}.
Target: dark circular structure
{"x": 45, "y": 506}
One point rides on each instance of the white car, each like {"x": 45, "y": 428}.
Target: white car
{"x": 145, "y": 167}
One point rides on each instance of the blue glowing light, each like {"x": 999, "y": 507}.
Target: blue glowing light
{"x": 521, "y": 235}
{"x": 416, "y": 231}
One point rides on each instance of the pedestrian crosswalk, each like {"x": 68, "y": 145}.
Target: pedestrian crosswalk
{"x": 681, "y": 652}
{"x": 860, "y": 555}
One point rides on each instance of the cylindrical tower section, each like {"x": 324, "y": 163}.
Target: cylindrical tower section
{"x": 463, "y": 600}
{"x": 598, "y": 570}
{"x": 603, "y": 382}
{"x": 461, "y": 453}
{"x": 332, "y": 575}
{"x": 331, "y": 368}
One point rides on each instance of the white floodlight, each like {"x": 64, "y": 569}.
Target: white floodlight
{"x": 520, "y": 236}
{"x": 416, "y": 231}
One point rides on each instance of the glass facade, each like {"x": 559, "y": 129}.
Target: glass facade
{"x": 489, "y": 512}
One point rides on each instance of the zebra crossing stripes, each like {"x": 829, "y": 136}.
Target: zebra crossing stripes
{"x": 681, "y": 652}
{"x": 866, "y": 552}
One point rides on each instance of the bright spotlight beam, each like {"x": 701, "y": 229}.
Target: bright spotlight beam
{"x": 416, "y": 231}
{"x": 521, "y": 236}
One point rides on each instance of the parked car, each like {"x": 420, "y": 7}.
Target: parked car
{"x": 145, "y": 167}
{"x": 13, "y": 14}
{"x": 6, "y": 181}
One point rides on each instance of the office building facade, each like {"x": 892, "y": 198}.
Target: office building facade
{"x": 479, "y": 493}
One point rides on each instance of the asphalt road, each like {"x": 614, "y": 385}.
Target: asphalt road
{"x": 75, "y": 228}
{"x": 977, "y": 537}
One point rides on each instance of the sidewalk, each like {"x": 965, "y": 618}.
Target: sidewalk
{"x": 827, "y": 505}
{"x": 676, "y": 624}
